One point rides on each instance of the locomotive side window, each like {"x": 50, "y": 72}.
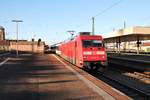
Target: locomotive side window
{"x": 92, "y": 43}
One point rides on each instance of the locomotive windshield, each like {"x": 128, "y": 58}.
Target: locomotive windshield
{"x": 92, "y": 43}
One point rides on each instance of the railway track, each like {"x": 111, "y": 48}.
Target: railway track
{"x": 128, "y": 90}
{"x": 130, "y": 63}
{"x": 142, "y": 76}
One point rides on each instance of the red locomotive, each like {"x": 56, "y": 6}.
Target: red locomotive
{"x": 85, "y": 51}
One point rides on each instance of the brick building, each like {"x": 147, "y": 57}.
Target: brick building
{"x": 2, "y": 33}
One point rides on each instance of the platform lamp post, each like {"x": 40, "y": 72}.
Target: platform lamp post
{"x": 17, "y": 21}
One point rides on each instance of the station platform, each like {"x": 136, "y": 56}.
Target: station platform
{"x": 48, "y": 77}
{"x": 142, "y": 57}
{"x": 139, "y": 62}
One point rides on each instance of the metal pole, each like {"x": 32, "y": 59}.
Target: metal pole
{"x": 17, "y": 38}
{"x": 124, "y": 24}
{"x": 138, "y": 44}
{"x": 93, "y": 25}
{"x": 17, "y": 22}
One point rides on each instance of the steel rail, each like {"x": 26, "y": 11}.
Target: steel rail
{"x": 130, "y": 91}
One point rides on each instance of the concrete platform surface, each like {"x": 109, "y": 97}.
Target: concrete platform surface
{"x": 47, "y": 77}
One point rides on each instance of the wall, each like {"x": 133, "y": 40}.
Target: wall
{"x": 27, "y": 46}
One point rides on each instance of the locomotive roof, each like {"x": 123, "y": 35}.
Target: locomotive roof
{"x": 90, "y": 37}
{"x": 83, "y": 37}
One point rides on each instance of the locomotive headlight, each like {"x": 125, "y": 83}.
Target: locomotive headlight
{"x": 100, "y": 52}
{"x": 81, "y": 62}
{"x": 87, "y": 53}
{"x": 102, "y": 57}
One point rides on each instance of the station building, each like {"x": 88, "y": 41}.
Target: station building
{"x": 132, "y": 39}
{"x": 4, "y": 44}
{"x": 2, "y": 33}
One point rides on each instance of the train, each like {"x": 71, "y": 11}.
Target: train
{"x": 85, "y": 51}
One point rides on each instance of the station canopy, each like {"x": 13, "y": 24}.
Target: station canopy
{"x": 137, "y": 33}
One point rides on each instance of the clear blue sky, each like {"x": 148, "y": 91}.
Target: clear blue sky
{"x": 51, "y": 19}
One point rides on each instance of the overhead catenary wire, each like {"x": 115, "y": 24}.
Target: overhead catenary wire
{"x": 103, "y": 11}
{"x": 108, "y": 8}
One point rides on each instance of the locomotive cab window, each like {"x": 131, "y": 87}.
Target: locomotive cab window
{"x": 92, "y": 43}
